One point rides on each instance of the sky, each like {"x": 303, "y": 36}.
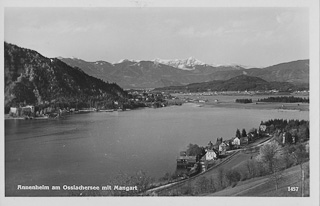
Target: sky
{"x": 251, "y": 36}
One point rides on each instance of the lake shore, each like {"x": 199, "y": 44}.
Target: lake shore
{"x": 228, "y": 101}
{"x": 261, "y": 105}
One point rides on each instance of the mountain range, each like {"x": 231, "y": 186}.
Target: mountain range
{"x": 163, "y": 73}
{"x": 238, "y": 83}
{"x": 33, "y": 78}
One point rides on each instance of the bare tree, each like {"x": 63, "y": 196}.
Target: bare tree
{"x": 251, "y": 167}
{"x": 269, "y": 156}
{"x": 300, "y": 155}
{"x": 221, "y": 177}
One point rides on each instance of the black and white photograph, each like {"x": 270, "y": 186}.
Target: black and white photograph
{"x": 155, "y": 101}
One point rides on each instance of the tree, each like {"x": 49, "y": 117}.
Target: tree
{"x": 23, "y": 91}
{"x": 300, "y": 155}
{"x": 232, "y": 176}
{"x": 251, "y": 167}
{"x": 269, "y": 156}
{"x": 221, "y": 176}
{"x": 303, "y": 133}
{"x": 194, "y": 150}
{"x": 238, "y": 133}
{"x": 244, "y": 133}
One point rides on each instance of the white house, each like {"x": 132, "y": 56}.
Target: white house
{"x": 13, "y": 111}
{"x": 210, "y": 155}
{"x": 263, "y": 127}
{"x": 284, "y": 138}
{"x": 236, "y": 142}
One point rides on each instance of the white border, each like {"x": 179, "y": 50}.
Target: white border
{"x": 313, "y": 6}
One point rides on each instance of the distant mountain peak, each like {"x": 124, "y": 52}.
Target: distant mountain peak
{"x": 184, "y": 64}
{"x": 126, "y": 60}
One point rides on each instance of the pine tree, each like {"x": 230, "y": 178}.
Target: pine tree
{"x": 238, "y": 133}
{"x": 244, "y": 133}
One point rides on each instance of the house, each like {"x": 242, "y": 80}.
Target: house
{"x": 219, "y": 141}
{"x": 18, "y": 111}
{"x": 284, "y": 138}
{"x": 14, "y": 111}
{"x": 287, "y": 138}
{"x": 210, "y": 155}
{"x": 183, "y": 153}
{"x": 263, "y": 127}
{"x": 236, "y": 142}
{"x": 251, "y": 136}
{"x": 28, "y": 108}
{"x": 222, "y": 148}
{"x": 228, "y": 144}
{"x": 244, "y": 140}
{"x": 186, "y": 161}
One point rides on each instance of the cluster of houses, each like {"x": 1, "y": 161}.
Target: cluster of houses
{"x": 150, "y": 99}
{"x": 29, "y": 111}
{"x": 216, "y": 151}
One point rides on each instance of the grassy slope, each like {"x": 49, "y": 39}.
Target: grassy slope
{"x": 239, "y": 158}
{"x": 262, "y": 186}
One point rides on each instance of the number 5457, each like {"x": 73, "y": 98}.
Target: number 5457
{"x": 293, "y": 189}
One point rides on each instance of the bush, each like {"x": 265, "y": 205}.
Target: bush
{"x": 234, "y": 184}
{"x": 244, "y": 101}
{"x": 244, "y": 176}
{"x": 252, "y": 167}
{"x": 232, "y": 176}
{"x": 287, "y": 159}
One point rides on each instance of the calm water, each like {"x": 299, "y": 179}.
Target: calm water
{"x": 93, "y": 148}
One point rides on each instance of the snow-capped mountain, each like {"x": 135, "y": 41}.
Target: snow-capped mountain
{"x": 126, "y": 60}
{"x": 159, "y": 72}
{"x": 185, "y": 64}
{"x": 236, "y": 66}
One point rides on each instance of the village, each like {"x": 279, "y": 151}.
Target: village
{"x": 136, "y": 99}
{"x": 208, "y": 156}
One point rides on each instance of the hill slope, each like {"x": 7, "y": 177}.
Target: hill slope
{"x": 238, "y": 83}
{"x": 263, "y": 186}
{"x": 296, "y": 72}
{"x": 33, "y": 78}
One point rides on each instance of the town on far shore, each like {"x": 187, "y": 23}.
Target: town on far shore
{"x": 135, "y": 99}
{"x": 139, "y": 98}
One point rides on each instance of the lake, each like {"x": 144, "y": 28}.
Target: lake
{"x": 93, "y": 148}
